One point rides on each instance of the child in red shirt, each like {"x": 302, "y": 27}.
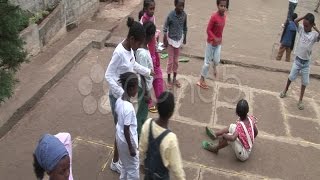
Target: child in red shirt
{"x": 214, "y": 31}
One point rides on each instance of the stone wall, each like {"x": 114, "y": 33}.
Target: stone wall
{"x": 80, "y": 10}
{"x": 30, "y": 36}
{"x": 35, "y": 5}
{"x": 67, "y": 12}
{"x": 52, "y": 25}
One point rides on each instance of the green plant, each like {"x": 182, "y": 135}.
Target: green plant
{"x": 12, "y": 54}
{"x": 38, "y": 17}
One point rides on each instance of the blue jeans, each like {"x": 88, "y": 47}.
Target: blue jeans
{"x": 300, "y": 66}
{"x": 212, "y": 56}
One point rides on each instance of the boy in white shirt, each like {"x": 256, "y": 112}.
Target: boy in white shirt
{"x": 303, "y": 52}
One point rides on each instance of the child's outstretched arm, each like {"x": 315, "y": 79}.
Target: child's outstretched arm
{"x": 232, "y": 137}
{"x": 185, "y": 29}
{"x": 255, "y": 129}
{"x": 165, "y": 31}
{"x": 128, "y": 139}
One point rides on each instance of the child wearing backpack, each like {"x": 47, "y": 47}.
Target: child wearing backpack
{"x": 240, "y": 135}
{"x": 159, "y": 147}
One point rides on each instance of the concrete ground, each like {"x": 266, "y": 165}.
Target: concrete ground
{"x": 287, "y": 147}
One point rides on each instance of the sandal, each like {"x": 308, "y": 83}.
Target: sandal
{"x": 211, "y": 133}
{"x": 202, "y": 85}
{"x": 153, "y": 109}
{"x": 169, "y": 85}
{"x": 212, "y": 147}
{"x": 177, "y": 84}
{"x": 283, "y": 94}
{"x": 300, "y": 105}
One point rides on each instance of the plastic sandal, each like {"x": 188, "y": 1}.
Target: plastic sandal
{"x": 153, "y": 109}
{"x": 202, "y": 85}
{"x": 212, "y": 147}
{"x": 283, "y": 94}
{"x": 177, "y": 84}
{"x": 211, "y": 133}
{"x": 300, "y": 105}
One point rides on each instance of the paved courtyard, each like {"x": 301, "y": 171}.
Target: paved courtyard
{"x": 287, "y": 147}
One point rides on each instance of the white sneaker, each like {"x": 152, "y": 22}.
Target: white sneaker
{"x": 116, "y": 166}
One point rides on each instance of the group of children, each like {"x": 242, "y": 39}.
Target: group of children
{"x": 138, "y": 54}
{"x": 148, "y": 145}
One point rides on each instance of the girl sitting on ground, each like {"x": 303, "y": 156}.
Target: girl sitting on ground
{"x": 240, "y": 135}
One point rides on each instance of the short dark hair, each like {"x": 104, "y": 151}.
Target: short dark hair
{"x": 150, "y": 29}
{"x": 219, "y": 1}
{"x": 136, "y": 30}
{"x": 165, "y": 105}
{"x": 128, "y": 80}
{"x": 310, "y": 17}
{"x": 146, "y": 4}
{"x": 242, "y": 109}
{"x": 177, "y": 1}
{"x": 294, "y": 16}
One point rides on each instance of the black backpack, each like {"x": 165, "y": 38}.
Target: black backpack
{"x": 154, "y": 168}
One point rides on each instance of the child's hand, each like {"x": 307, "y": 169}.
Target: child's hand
{"x": 216, "y": 40}
{"x": 165, "y": 40}
{"x": 152, "y": 72}
{"x": 184, "y": 41}
{"x": 146, "y": 97}
{"x": 132, "y": 152}
{"x": 142, "y": 169}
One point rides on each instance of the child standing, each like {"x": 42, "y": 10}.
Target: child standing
{"x": 288, "y": 38}
{"x": 175, "y": 33}
{"x": 143, "y": 57}
{"x": 126, "y": 133}
{"x": 147, "y": 15}
{"x": 214, "y": 40}
{"x": 303, "y": 52}
{"x": 240, "y": 135}
{"x": 159, "y": 147}
{"x": 122, "y": 61}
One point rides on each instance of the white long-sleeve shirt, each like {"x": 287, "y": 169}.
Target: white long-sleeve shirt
{"x": 122, "y": 61}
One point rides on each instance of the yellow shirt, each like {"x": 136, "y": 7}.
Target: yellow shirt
{"x": 169, "y": 149}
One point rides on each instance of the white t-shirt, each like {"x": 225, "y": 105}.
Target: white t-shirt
{"x": 126, "y": 116}
{"x": 143, "y": 57}
{"x": 293, "y": 1}
{"x": 122, "y": 61}
{"x": 305, "y": 43}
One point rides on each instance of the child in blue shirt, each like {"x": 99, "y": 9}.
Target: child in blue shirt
{"x": 288, "y": 38}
